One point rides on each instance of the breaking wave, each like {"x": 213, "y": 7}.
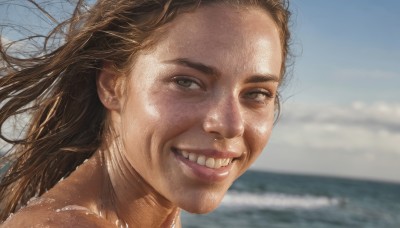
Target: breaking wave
{"x": 277, "y": 201}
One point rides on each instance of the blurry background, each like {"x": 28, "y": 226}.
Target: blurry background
{"x": 334, "y": 156}
{"x": 341, "y": 107}
{"x": 341, "y": 111}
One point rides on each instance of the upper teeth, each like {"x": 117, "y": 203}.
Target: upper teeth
{"x": 213, "y": 163}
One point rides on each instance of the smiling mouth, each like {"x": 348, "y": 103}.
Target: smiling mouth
{"x": 202, "y": 160}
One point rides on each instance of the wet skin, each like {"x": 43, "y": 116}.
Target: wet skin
{"x": 213, "y": 76}
{"x": 208, "y": 88}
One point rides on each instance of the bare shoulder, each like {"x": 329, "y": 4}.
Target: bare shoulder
{"x": 46, "y": 214}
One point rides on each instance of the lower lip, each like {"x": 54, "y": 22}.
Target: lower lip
{"x": 201, "y": 172}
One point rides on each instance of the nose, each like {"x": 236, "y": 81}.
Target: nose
{"x": 225, "y": 118}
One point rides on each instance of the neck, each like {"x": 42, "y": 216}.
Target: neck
{"x": 127, "y": 200}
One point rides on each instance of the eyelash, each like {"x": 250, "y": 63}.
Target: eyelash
{"x": 180, "y": 80}
{"x": 267, "y": 95}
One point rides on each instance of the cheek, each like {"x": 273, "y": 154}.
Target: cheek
{"x": 261, "y": 136}
{"x": 152, "y": 119}
{"x": 263, "y": 127}
{"x": 138, "y": 120}
{"x": 260, "y": 133}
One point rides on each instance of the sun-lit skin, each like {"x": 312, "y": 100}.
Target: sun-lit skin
{"x": 208, "y": 86}
{"x": 171, "y": 104}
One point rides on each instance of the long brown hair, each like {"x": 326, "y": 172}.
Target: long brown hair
{"x": 57, "y": 86}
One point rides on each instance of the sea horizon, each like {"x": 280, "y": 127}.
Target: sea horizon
{"x": 276, "y": 200}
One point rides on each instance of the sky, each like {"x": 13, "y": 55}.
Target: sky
{"x": 341, "y": 105}
{"x": 341, "y": 110}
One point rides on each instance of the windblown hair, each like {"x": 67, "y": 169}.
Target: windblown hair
{"x": 57, "y": 87}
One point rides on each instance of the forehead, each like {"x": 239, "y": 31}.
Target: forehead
{"x": 214, "y": 33}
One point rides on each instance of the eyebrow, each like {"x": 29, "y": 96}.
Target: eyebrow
{"x": 262, "y": 78}
{"x": 215, "y": 72}
{"x": 196, "y": 65}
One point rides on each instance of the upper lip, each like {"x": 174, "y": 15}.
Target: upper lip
{"x": 214, "y": 153}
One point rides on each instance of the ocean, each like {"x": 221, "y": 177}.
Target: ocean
{"x": 272, "y": 200}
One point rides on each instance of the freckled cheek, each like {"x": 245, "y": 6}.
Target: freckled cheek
{"x": 164, "y": 107}
{"x": 164, "y": 114}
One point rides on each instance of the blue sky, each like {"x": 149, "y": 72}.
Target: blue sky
{"x": 341, "y": 115}
{"x": 341, "y": 111}
{"x": 348, "y": 49}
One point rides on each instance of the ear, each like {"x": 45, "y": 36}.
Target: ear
{"x": 108, "y": 88}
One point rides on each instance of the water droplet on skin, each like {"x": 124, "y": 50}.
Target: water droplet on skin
{"x": 74, "y": 208}
{"x": 10, "y": 216}
{"x": 32, "y": 200}
{"x": 37, "y": 193}
{"x": 121, "y": 224}
{"x": 37, "y": 201}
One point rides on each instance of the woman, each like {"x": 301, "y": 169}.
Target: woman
{"x": 169, "y": 102}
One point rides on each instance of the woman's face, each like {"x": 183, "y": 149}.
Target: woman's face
{"x": 199, "y": 106}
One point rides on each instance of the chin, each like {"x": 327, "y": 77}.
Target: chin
{"x": 203, "y": 204}
{"x": 203, "y": 209}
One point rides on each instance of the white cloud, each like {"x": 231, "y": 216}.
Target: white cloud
{"x": 356, "y": 127}
{"x": 360, "y": 140}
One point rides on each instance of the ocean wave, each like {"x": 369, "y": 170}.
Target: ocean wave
{"x": 277, "y": 201}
